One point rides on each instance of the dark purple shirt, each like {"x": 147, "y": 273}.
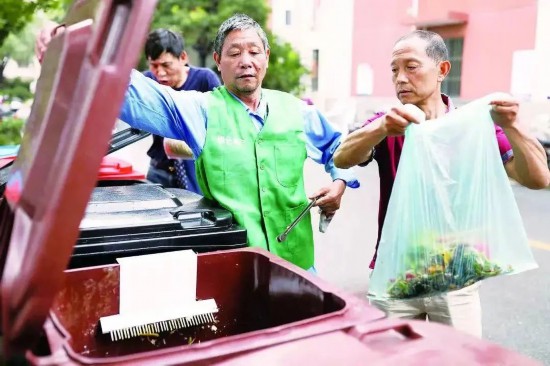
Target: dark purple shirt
{"x": 387, "y": 154}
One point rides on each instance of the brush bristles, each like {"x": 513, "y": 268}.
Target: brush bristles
{"x": 165, "y": 326}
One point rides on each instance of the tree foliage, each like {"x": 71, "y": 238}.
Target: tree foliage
{"x": 285, "y": 67}
{"x": 10, "y": 131}
{"x": 15, "y": 14}
{"x": 199, "y": 20}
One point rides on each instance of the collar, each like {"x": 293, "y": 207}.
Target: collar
{"x": 448, "y": 102}
{"x": 262, "y": 109}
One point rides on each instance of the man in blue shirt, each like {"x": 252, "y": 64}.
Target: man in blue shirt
{"x": 168, "y": 65}
{"x": 250, "y": 142}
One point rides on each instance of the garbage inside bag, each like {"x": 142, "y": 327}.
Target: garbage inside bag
{"x": 452, "y": 219}
{"x": 442, "y": 269}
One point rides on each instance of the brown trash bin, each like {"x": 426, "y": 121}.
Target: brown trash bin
{"x": 271, "y": 312}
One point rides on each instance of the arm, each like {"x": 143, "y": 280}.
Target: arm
{"x": 528, "y": 165}
{"x": 162, "y": 111}
{"x": 177, "y": 149}
{"x": 322, "y": 139}
{"x": 358, "y": 146}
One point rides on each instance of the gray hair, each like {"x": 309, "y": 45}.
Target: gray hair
{"x": 238, "y": 22}
{"x": 435, "y": 48}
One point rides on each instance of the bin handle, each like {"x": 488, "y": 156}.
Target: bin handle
{"x": 205, "y": 213}
{"x": 403, "y": 328}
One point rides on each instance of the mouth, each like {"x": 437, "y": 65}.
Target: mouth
{"x": 404, "y": 92}
{"x": 246, "y": 76}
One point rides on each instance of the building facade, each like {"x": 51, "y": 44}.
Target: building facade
{"x": 494, "y": 45}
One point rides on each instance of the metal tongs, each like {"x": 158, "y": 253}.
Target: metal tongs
{"x": 289, "y": 228}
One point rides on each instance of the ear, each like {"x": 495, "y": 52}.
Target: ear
{"x": 184, "y": 57}
{"x": 217, "y": 59}
{"x": 444, "y": 69}
{"x": 267, "y": 53}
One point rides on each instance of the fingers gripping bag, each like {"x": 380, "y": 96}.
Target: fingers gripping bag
{"x": 452, "y": 219}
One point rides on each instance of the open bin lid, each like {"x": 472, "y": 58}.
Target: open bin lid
{"x": 84, "y": 78}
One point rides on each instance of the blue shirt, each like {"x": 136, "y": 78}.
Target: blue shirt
{"x": 182, "y": 115}
{"x": 199, "y": 79}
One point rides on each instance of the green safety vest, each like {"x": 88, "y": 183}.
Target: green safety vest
{"x": 258, "y": 175}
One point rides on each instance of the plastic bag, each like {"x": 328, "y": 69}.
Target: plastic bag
{"x": 452, "y": 218}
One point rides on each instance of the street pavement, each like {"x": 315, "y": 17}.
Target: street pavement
{"x": 516, "y": 309}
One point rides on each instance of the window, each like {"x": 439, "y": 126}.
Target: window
{"x": 288, "y": 17}
{"x": 451, "y": 84}
{"x": 315, "y": 71}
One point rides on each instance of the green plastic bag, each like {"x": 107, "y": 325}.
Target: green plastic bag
{"x": 452, "y": 219}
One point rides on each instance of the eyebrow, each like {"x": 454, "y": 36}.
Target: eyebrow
{"x": 409, "y": 59}
{"x": 241, "y": 44}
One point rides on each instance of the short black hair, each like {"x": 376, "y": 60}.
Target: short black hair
{"x": 436, "y": 48}
{"x": 163, "y": 40}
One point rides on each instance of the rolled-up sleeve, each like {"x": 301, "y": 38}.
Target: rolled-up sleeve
{"x": 163, "y": 111}
{"x": 504, "y": 145}
{"x": 322, "y": 140}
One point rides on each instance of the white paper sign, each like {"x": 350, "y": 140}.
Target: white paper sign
{"x": 157, "y": 281}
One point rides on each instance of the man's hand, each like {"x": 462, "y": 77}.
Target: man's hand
{"x": 332, "y": 195}
{"x": 44, "y": 37}
{"x": 399, "y": 118}
{"x": 504, "y": 111}
{"x": 177, "y": 149}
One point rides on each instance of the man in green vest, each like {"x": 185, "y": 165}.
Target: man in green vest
{"x": 250, "y": 143}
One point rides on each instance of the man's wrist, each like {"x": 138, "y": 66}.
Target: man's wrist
{"x": 380, "y": 129}
{"x": 341, "y": 180}
{"x": 513, "y": 127}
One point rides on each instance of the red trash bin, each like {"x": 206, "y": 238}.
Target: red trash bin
{"x": 271, "y": 313}
{"x": 262, "y": 300}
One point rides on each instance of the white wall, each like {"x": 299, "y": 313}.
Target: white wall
{"x": 326, "y": 25}
{"x": 541, "y": 82}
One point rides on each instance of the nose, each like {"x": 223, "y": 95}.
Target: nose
{"x": 401, "y": 77}
{"x": 245, "y": 61}
{"x": 160, "y": 71}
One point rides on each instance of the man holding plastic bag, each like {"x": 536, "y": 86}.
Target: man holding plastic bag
{"x": 452, "y": 219}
